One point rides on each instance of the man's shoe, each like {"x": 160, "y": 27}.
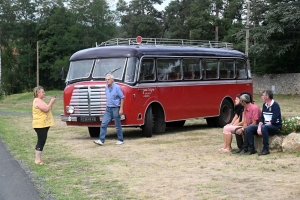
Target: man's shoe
{"x": 237, "y": 151}
{"x": 98, "y": 142}
{"x": 243, "y": 152}
{"x": 264, "y": 152}
{"x": 250, "y": 152}
{"x": 119, "y": 142}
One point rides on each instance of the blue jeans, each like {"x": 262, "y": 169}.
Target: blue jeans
{"x": 111, "y": 113}
{"x": 266, "y": 130}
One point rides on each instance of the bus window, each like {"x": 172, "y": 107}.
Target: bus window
{"x": 190, "y": 67}
{"x": 241, "y": 72}
{"x": 113, "y": 66}
{"x": 210, "y": 69}
{"x": 131, "y": 69}
{"x": 80, "y": 69}
{"x": 226, "y": 68}
{"x": 168, "y": 69}
{"x": 147, "y": 71}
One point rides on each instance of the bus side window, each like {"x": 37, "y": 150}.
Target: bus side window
{"x": 174, "y": 76}
{"x": 240, "y": 69}
{"x": 191, "y": 69}
{"x": 211, "y": 69}
{"x": 226, "y": 69}
{"x": 198, "y": 68}
{"x": 147, "y": 70}
{"x": 162, "y": 71}
{"x": 168, "y": 69}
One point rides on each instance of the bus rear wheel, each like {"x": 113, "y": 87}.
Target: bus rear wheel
{"x": 94, "y": 131}
{"x": 147, "y": 128}
{"x": 226, "y": 114}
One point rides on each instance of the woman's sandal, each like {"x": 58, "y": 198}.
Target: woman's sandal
{"x": 40, "y": 163}
{"x": 220, "y": 150}
{"x": 225, "y": 151}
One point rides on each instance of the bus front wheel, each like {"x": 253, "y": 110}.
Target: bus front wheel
{"x": 147, "y": 128}
{"x": 94, "y": 131}
{"x": 226, "y": 114}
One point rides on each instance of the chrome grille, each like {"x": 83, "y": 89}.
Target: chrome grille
{"x": 88, "y": 100}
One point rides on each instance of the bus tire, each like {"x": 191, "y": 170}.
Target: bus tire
{"x": 94, "y": 131}
{"x": 159, "y": 124}
{"x": 148, "y": 124}
{"x": 176, "y": 123}
{"x": 226, "y": 114}
{"x": 211, "y": 121}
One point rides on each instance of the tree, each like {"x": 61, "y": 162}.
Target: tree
{"x": 139, "y": 17}
{"x": 277, "y": 46}
{"x": 176, "y": 15}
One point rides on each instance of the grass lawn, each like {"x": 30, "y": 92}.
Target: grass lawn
{"x": 182, "y": 163}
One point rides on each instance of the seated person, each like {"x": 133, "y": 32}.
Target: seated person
{"x": 235, "y": 123}
{"x": 251, "y": 114}
{"x": 240, "y": 137}
{"x": 269, "y": 124}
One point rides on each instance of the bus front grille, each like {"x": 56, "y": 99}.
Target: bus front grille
{"x": 88, "y": 100}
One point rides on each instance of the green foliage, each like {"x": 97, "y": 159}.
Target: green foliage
{"x": 140, "y": 18}
{"x": 277, "y": 39}
{"x": 59, "y": 30}
{"x": 290, "y": 125}
{"x": 62, "y": 29}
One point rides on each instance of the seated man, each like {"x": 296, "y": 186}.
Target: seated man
{"x": 251, "y": 114}
{"x": 241, "y": 140}
{"x": 269, "y": 124}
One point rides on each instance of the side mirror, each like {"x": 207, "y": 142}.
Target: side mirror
{"x": 62, "y": 74}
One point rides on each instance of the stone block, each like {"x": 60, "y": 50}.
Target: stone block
{"x": 275, "y": 143}
{"x": 291, "y": 143}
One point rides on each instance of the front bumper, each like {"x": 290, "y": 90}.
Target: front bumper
{"x": 68, "y": 118}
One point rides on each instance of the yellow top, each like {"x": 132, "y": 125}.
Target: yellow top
{"x": 41, "y": 119}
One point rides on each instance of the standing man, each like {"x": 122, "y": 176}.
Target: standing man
{"x": 114, "y": 110}
{"x": 269, "y": 124}
{"x": 251, "y": 116}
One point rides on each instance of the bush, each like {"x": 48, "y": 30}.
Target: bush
{"x": 290, "y": 125}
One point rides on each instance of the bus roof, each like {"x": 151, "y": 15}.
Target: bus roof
{"x": 152, "y": 50}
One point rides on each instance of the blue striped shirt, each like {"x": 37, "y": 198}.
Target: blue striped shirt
{"x": 114, "y": 95}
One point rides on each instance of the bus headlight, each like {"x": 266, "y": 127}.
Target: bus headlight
{"x": 70, "y": 109}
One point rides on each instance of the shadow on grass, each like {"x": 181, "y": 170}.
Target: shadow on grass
{"x": 131, "y": 133}
{"x": 136, "y": 133}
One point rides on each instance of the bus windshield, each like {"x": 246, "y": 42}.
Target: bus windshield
{"x": 83, "y": 68}
{"x": 80, "y": 69}
{"x": 113, "y": 66}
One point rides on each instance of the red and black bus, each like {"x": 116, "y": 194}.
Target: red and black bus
{"x": 165, "y": 82}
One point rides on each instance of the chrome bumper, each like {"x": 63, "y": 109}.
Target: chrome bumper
{"x": 68, "y": 118}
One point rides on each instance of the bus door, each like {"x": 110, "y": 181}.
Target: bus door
{"x": 146, "y": 87}
{"x": 170, "y": 90}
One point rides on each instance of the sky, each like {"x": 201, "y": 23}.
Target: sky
{"x": 163, "y": 5}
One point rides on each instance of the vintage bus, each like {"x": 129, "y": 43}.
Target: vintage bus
{"x": 165, "y": 82}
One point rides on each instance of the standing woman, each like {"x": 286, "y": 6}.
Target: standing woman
{"x": 42, "y": 120}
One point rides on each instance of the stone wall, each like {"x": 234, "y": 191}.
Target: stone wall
{"x": 278, "y": 83}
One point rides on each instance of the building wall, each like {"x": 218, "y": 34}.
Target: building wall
{"x": 278, "y": 83}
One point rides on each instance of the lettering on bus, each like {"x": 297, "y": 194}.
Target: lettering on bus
{"x": 147, "y": 92}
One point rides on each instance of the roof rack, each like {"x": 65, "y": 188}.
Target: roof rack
{"x": 167, "y": 42}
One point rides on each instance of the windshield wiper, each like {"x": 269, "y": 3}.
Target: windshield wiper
{"x": 112, "y": 71}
